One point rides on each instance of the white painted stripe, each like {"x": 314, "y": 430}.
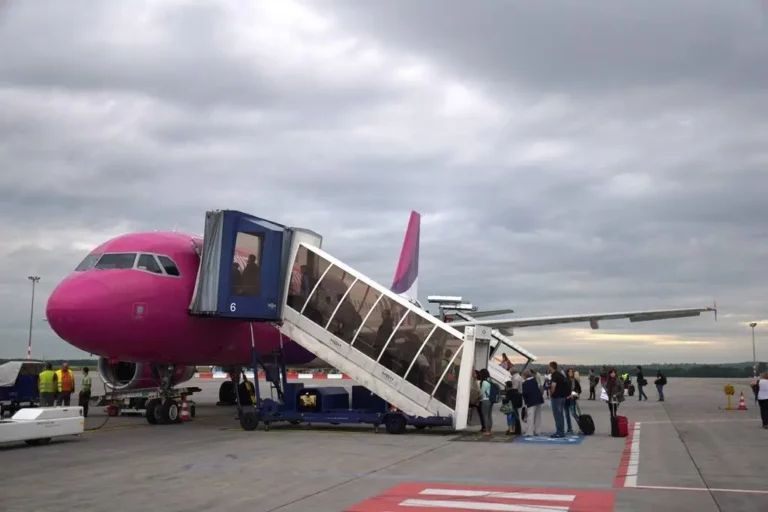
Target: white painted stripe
{"x": 335, "y": 376}
{"x": 666, "y": 422}
{"x": 306, "y": 375}
{"x": 480, "y": 505}
{"x": 707, "y": 489}
{"x": 495, "y": 494}
{"x": 634, "y": 459}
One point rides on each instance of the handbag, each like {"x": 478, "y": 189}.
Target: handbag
{"x": 603, "y": 395}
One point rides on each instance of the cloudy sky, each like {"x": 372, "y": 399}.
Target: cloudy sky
{"x": 594, "y": 156}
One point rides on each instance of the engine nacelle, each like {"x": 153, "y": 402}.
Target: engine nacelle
{"x": 124, "y": 375}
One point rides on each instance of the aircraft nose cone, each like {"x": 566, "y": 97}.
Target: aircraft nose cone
{"x": 75, "y": 305}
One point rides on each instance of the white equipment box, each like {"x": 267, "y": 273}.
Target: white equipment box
{"x": 37, "y": 426}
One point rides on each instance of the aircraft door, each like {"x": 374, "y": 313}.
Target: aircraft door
{"x": 251, "y": 259}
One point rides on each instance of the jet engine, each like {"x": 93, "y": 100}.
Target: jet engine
{"x": 124, "y": 375}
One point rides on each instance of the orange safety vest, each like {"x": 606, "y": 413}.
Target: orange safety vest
{"x": 66, "y": 381}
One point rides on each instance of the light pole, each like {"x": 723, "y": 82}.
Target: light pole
{"x": 754, "y": 354}
{"x": 34, "y": 280}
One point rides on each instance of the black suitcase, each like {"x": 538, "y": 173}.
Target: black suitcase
{"x": 586, "y": 424}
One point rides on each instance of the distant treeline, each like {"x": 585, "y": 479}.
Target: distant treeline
{"x": 723, "y": 371}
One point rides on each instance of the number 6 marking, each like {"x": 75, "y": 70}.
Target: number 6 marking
{"x": 233, "y": 307}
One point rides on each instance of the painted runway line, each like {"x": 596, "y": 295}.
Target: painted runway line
{"x": 451, "y": 497}
{"x": 626, "y": 474}
{"x": 707, "y": 489}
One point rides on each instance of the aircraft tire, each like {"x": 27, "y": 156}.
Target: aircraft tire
{"x": 227, "y": 393}
{"x": 152, "y": 409}
{"x": 169, "y": 411}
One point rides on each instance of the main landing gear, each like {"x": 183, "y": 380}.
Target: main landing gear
{"x": 166, "y": 409}
{"x": 227, "y": 393}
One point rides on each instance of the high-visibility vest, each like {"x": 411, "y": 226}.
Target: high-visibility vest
{"x": 71, "y": 380}
{"x": 46, "y": 381}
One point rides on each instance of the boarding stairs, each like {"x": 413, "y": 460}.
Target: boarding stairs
{"x": 500, "y": 344}
{"x": 418, "y": 364}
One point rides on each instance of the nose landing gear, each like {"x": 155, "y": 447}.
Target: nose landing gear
{"x": 166, "y": 409}
{"x": 163, "y": 411}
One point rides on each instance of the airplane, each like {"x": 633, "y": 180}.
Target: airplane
{"x": 128, "y": 303}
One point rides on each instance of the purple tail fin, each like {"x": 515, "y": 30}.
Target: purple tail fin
{"x": 406, "y": 282}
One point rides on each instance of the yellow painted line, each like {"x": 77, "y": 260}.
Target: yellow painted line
{"x": 121, "y": 427}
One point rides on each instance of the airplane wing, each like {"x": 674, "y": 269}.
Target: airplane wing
{"x": 593, "y": 319}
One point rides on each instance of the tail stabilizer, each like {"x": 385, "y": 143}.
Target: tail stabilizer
{"x": 406, "y": 282}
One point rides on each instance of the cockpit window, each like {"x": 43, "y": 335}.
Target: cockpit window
{"x": 116, "y": 261}
{"x": 88, "y": 262}
{"x": 147, "y": 262}
{"x": 170, "y": 267}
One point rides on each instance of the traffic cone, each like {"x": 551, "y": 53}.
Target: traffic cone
{"x": 185, "y": 409}
{"x": 742, "y": 403}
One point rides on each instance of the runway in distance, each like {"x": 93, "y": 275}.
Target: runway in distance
{"x": 128, "y": 303}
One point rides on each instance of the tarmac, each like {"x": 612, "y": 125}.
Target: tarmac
{"x": 684, "y": 454}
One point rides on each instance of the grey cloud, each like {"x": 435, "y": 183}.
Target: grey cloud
{"x": 586, "y": 194}
{"x": 579, "y": 47}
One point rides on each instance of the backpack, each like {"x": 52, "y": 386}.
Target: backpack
{"x": 495, "y": 392}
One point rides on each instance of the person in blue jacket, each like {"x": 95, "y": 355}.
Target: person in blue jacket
{"x": 534, "y": 401}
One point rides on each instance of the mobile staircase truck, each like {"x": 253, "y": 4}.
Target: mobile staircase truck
{"x": 412, "y": 368}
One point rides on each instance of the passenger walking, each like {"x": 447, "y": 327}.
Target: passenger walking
{"x": 65, "y": 384}
{"x": 660, "y": 382}
{"x": 534, "y": 400}
{"x": 505, "y": 362}
{"x": 516, "y": 398}
{"x": 762, "y": 397}
{"x": 485, "y": 401}
{"x": 474, "y": 400}
{"x": 641, "y": 382}
{"x": 593, "y": 380}
{"x": 85, "y": 391}
{"x": 570, "y": 400}
{"x": 615, "y": 390}
{"x": 559, "y": 390}
{"x": 47, "y": 386}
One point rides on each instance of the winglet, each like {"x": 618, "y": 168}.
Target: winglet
{"x": 715, "y": 308}
{"x": 406, "y": 281}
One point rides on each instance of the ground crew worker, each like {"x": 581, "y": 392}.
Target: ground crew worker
{"x": 66, "y": 385}
{"x": 47, "y": 386}
{"x": 85, "y": 392}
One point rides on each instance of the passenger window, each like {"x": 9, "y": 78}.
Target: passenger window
{"x": 170, "y": 267}
{"x": 246, "y": 266}
{"x": 147, "y": 262}
{"x": 116, "y": 261}
{"x": 88, "y": 262}
{"x": 379, "y": 326}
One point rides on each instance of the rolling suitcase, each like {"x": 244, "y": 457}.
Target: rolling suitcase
{"x": 619, "y": 426}
{"x": 586, "y": 425}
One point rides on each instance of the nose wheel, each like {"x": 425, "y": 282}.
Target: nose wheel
{"x": 163, "y": 412}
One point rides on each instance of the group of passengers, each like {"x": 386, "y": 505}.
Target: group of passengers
{"x": 524, "y": 395}
{"x": 522, "y": 401}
